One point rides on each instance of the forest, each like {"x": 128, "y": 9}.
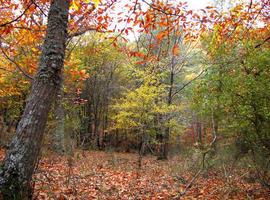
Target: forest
{"x": 134, "y": 99}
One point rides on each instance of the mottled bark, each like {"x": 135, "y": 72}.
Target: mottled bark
{"x": 21, "y": 159}
{"x": 59, "y": 133}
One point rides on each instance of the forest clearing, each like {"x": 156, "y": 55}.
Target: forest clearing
{"x": 108, "y": 175}
{"x": 134, "y": 99}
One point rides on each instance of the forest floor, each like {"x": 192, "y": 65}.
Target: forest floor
{"x": 107, "y": 175}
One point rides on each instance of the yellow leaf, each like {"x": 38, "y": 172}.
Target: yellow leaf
{"x": 96, "y": 2}
{"x": 74, "y": 5}
{"x": 190, "y": 76}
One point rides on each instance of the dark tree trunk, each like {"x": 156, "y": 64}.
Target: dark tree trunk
{"x": 164, "y": 148}
{"x": 142, "y": 148}
{"x": 199, "y": 131}
{"x": 59, "y": 134}
{"x": 84, "y": 139}
{"x": 21, "y": 159}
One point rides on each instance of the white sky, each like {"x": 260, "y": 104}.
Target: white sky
{"x": 192, "y": 4}
{"x": 198, "y": 4}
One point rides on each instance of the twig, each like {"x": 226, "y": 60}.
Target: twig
{"x": 258, "y": 45}
{"x": 4, "y": 69}
{"x": 81, "y": 32}
{"x": 188, "y": 83}
{"x": 201, "y": 168}
{"x": 42, "y": 11}
{"x": 17, "y": 66}
{"x": 191, "y": 182}
{"x": 17, "y": 18}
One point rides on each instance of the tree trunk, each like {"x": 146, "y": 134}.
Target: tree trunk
{"x": 214, "y": 130}
{"x": 164, "y": 148}
{"x": 142, "y": 148}
{"x": 21, "y": 159}
{"x": 199, "y": 131}
{"x": 59, "y": 134}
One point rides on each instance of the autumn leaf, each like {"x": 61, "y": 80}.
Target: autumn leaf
{"x": 138, "y": 54}
{"x": 175, "y": 50}
{"x": 160, "y": 36}
{"x": 74, "y": 5}
{"x": 96, "y": 2}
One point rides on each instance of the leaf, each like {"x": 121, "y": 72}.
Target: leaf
{"x": 74, "y": 5}
{"x": 160, "y": 36}
{"x": 175, "y": 50}
{"x": 138, "y": 54}
{"x": 96, "y": 2}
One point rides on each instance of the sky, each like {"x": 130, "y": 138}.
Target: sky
{"x": 192, "y": 4}
{"x": 198, "y": 4}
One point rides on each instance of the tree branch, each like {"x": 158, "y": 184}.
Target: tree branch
{"x": 17, "y": 18}
{"x": 259, "y": 45}
{"x": 17, "y": 66}
{"x": 189, "y": 82}
{"x": 83, "y": 31}
{"x": 4, "y": 69}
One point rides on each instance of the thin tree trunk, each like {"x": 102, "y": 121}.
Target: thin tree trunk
{"x": 214, "y": 130}
{"x": 59, "y": 134}
{"x": 199, "y": 131}
{"x": 142, "y": 148}
{"x": 164, "y": 149}
{"x": 21, "y": 159}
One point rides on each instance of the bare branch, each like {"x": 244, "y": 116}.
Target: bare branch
{"x": 259, "y": 45}
{"x": 17, "y": 18}
{"x": 189, "y": 82}
{"x": 83, "y": 31}
{"x": 4, "y": 69}
{"x": 17, "y": 65}
{"x": 191, "y": 182}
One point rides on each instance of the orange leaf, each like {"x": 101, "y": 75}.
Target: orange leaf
{"x": 160, "y": 36}
{"x": 175, "y": 50}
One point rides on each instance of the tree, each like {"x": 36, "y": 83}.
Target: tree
{"x": 136, "y": 111}
{"x": 103, "y": 63}
{"x": 233, "y": 95}
{"x": 22, "y": 157}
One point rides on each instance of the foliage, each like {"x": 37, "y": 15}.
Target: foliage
{"x": 236, "y": 88}
{"x": 197, "y": 80}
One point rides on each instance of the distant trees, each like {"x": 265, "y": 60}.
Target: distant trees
{"x": 136, "y": 111}
{"x": 115, "y": 90}
{"x": 235, "y": 89}
{"x": 104, "y": 65}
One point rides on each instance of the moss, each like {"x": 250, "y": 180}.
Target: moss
{"x": 13, "y": 189}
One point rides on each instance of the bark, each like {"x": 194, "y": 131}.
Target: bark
{"x": 105, "y": 111}
{"x": 214, "y": 130}
{"x": 21, "y": 159}
{"x": 164, "y": 148}
{"x": 84, "y": 139}
{"x": 199, "y": 130}
{"x": 142, "y": 147}
{"x": 59, "y": 134}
